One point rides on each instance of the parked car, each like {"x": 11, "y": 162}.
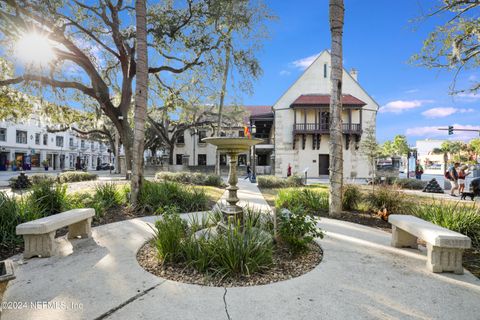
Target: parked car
{"x": 105, "y": 166}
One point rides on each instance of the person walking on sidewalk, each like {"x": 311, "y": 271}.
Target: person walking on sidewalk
{"x": 462, "y": 175}
{"x": 452, "y": 176}
{"x": 418, "y": 170}
{"x": 289, "y": 170}
{"x": 249, "y": 173}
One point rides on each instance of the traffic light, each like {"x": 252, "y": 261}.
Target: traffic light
{"x": 450, "y": 130}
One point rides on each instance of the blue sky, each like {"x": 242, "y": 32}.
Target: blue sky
{"x": 379, "y": 39}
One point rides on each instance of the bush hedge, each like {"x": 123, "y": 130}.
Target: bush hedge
{"x": 313, "y": 201}
{"x": 195, "y": 178}
{"x": 270, "y": 182}
{"x": 75, "y": 176}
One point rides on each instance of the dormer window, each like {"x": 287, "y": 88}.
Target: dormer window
{"x": 324, "y": 70}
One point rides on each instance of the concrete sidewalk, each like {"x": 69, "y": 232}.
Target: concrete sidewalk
{"x": 360, "y": 277}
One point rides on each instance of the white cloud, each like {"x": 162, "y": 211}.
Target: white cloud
{"x": 431, "y": 132}
{"x": 284, "y": 73}
{"x": 304, "y": 63}
{"x": 472, "y": 78}
{"x": 444, "y": 112}
{"x": 398, "y": 106}
{"x": 412, "y": 91}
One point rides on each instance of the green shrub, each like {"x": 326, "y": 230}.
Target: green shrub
{"x": 74, "y": 176}
{"x": 194, "y": 178}
{"x": 9, "y": 219}
{"x": 462, "y": 218}
{"x": 49, "y": 198}
{"x": 105, "y": 198}
{"x": 79, "y": 200}
{"x": 297, "y": 229}
{"x": 169, "y": 234}
{"x": 270, "y": 182}
{"x": 412, "y": 184}
{"x": 396, "y": 202}
{"x": 41, "y": 177}
{"x": 156, "y": 196}
{"x": 311, "y": 200}
{"x": 352, "y": 196}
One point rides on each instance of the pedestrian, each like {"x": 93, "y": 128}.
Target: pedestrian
{"x": 249, "y": 173}
{"x": 452, "y": 175}
{"x": 289, "y": 170}
{"x": 462, "y": 174}
{"x": 418, "y": 170}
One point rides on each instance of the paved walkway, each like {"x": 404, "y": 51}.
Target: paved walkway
{"x": 360, "y": 277}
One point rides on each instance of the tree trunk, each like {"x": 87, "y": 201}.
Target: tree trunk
{"x": 117, "y": 152}
{"x": 222, "y": 99}
{"x": 141, "y": 98}
{"x": 170, "y": 153}
{"x": 337, "y": 10}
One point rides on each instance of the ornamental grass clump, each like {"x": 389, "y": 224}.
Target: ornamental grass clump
{"x": 459, "y": 217}
{"x": 352, "y": 196}
{"x": 155, "y": 197}
{"x": 313, "y": 201}
{"x": 9, "y": 219}
{"x": 48, "y": 198}
{"x": 106, "y": 197}
{"x": 232, "y": 252}
{"x": 394, "y": 201}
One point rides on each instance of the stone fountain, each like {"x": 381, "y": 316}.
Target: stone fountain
{"x": 232, "y": 147}
{"x": 6, "y": 274}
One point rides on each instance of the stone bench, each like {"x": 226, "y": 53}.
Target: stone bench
{"x": 444, "y": 247}
{"x": 39, "y": 235}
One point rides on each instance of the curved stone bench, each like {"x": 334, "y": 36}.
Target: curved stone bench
{"x": 444, "y": 247}
{"x": 39, "y": 235}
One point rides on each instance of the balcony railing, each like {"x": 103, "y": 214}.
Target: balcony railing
{"x": 324, "y": 128}
{"x": 73, "y": 146}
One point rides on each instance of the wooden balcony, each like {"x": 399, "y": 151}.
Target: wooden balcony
{"x": 321, "y": 128}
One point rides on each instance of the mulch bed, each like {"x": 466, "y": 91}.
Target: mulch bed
{"x": 284, "y": 267}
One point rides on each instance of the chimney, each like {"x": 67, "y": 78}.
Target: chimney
{"x": 354, "y": 74}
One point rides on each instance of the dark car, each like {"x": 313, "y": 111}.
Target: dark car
{"x": 105, "y": 166}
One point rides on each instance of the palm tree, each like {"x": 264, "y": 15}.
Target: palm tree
{"x": 141, "y": 97}
{"x": 337, "y": 10}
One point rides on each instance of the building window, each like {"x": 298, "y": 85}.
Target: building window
{"x": 37, "y": 138}
{"x": 45, "y": 139}
{"x": 201, "y": 135}
{"x": 202, "y": 159}
{"x": 71, "y": 142}
{"x": 181, "y": 138}
{"x": 21, "y": 137}
{"x": 82, "y": 144}
{"x": 3, "y": 134}
{"x": 241, "y": 133}
{"x": 324, "y": 70}
{"x": 59, "y": 141}
{"x": 179, "y": 159}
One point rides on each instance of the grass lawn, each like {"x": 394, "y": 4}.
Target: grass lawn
{"x": 213, "y": 193}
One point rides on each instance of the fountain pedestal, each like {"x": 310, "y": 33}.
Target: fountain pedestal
{"x": 232, "y": 213}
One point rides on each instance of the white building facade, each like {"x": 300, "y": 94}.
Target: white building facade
{"x": 26, "y": 144}
{"x": 302, "y": 123}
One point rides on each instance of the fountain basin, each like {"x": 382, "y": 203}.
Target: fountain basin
{"x": 6, "y": 274}
{"x": 232, "y": 145}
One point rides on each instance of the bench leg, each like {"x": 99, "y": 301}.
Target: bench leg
{"x": 402, "y": 239}
{"x": 42, "y": 245}
{"x": 82, "y": 229}
{"x": 444, "y": 259}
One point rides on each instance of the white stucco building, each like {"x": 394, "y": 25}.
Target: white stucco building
{"x": 26, "y": 144}
{"x": 302, "y": 123}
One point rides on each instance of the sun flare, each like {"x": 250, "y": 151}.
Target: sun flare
{"x": 34, "y": 48}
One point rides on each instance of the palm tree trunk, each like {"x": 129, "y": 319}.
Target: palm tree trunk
{"x": 141, "y": 98}
{"x": 336, "y": 14}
